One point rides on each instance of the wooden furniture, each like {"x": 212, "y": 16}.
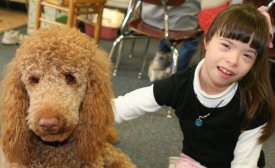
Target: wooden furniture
{"x": 74, "y": 8}
{"x": 134, "y": 29}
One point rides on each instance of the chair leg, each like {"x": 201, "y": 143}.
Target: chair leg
{"x": 98, "y": 24}
{"x": 169, "y": 113}
{"x": 113, "y": 50}
{"x": 132, "y": 48}
{"x": 119, "y": 55}
{"x": 175, "y": 54}
{"x": 272, "y": 60}
{"x": 144, "y": 59}
{"x": 116, "y": 42}
{"x": 71, "y": 14}
{"x": 38, "y": 14}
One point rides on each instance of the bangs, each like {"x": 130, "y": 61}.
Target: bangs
{"x": 245, "y": 25}
{"x": 237, "y": 29}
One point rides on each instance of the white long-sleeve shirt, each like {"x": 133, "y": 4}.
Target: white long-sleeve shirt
{"x": 142, "y": 101}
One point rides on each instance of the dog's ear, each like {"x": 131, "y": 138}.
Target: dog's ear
{"x": 14, "y": 130}
{"x": 96, "y": 115}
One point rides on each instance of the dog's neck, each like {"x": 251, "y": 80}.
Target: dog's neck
{"x": 55, "y": 143}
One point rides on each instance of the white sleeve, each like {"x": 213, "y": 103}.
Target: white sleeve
{"x": 247, "y": 151}
{"x": 135, "y": 104}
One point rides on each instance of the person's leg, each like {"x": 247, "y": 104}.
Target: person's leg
{"x": 162, "y": 47}
{"x": 261, "y": 161}
{"x": 186, "y": 51}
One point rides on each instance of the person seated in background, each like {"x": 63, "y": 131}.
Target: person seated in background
{"x": 182, "y": 18}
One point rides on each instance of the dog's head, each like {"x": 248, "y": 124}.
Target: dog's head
{"x": 57, "y": 87}
{"x": 161, "y": 61}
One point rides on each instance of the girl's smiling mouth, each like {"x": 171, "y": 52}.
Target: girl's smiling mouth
{"x": 225, "y": 72}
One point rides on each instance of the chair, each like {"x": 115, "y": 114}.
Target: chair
{"x": 137, "y": 28}
{"x": 74, "y": 8}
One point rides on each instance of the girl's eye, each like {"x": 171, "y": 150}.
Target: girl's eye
{"x": 33, "y": 80}
{"x": 249, "y": 56}
{"x": 226, "y": 45}
{"x": 70, "y": 79}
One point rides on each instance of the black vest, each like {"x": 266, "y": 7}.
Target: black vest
{"x": 214, "y": 142}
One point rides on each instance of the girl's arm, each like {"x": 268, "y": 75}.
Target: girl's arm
{"x": 247, "y": 151}
{"x": 135, "y": 104}
{"x": 264, "y": 11}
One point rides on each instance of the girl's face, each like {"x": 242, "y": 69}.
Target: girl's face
{"x": 226, "y": 61}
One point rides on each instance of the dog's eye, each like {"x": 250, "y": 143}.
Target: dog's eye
{"x": 33, "y": 80}
{"x": 70, "y": 79}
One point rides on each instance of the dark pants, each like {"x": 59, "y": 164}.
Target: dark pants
{"x": 261, "y": 161}
{"x": 186, "y": 51}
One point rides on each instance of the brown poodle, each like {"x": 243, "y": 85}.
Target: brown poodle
{"x": 56, "y": 104}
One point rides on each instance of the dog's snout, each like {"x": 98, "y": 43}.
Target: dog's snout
{"x": 49, "y": 125}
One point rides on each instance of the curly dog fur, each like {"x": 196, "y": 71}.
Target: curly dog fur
{"x": 56, "y": 104}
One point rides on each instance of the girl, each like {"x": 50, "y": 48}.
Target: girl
{"x": 225, "y": 104}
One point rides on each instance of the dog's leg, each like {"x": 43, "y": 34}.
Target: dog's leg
{"x": 115, "y": 158}
{"x": 111, "y": 135}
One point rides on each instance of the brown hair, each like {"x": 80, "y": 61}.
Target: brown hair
{"x": 246, "y": 24}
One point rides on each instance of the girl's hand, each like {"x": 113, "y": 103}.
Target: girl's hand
{"x": 187, "y": 162}
{"x": 263, "y": 10}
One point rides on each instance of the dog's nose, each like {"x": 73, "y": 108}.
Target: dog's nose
{"x": 49, "y": 125}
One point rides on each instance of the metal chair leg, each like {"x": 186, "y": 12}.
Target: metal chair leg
{"x": 169, "y": 113}
{"x": 144, "y": 59}
{"x": 119, "y": 55}
{"x": 132, "y": 48}
{"x": 272, "y": 60}
{"x": 175, "y": 55}
{"x": 116, "y": 42}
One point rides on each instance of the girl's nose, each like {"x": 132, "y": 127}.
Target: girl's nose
{"x": 233, "y": 59}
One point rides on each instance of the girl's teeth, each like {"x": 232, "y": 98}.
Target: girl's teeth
{"x": 225, "y": 71}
